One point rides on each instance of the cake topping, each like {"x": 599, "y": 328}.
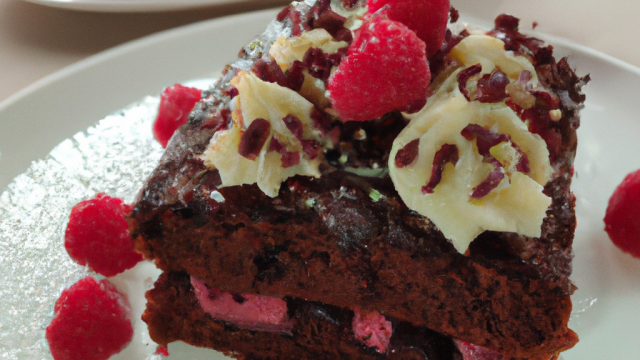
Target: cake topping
{"x": 448, "y": 153}
{"x": 622, "y": 219}
{"x": 489, "y": 53}
{"x": 253, "y": 139}
{"x": 495, "y": 176}
{"x": 494, "y": 146}
{"x": 271, "y": 72}
{"x": 407, "y": 154}
{"x": 364, "y": 88}
{"x": 468, "y": 148}
{"x": 98, "y": 236}
{"x": 427, "y": 18}
{"x": 261, "y": 147}
{"x": 176, "y": 103}
{"x": 286, "y": 50}
{"x": 92, "y": 322}
{"x": 491, "y": 87}
{"x": 463, "y": 77}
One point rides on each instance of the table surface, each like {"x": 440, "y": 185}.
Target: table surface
{"x": 36, "y": 40}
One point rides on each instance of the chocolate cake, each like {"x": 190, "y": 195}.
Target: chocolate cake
{"x": 339, "y": 247}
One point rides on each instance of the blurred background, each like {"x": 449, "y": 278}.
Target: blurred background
{"x": 37, "y": 40}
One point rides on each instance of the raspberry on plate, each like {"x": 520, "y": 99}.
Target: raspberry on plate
{"x": 176, "y": 103}
{"x": 98, "y": 236}
{"x": 428, "y": 18}
{"x": 92, "y": 322}
{"x": 385, "y": 69}
{"x": 622, "y": 219}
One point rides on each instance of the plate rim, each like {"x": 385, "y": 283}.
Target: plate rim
{"x": 131, "y": 5}
{"x": 208, "y": 34}
{"x": 108, "y": 54}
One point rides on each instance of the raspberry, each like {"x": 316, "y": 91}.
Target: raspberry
{"x": 98, "y": 235}
{"x": 385, "y": 69}
{"x": 176, "y": 103}
{"x": 428, "y": 18}
{"x": 622, "y": 219}
{"x": 92, "y": 322}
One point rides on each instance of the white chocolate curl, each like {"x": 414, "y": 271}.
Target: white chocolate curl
{"x": 272, "y": 102}
{"x": 517, "y": 204}
{"x": 286, "y": 50}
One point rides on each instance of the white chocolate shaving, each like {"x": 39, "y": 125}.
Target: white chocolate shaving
{"x": 286, "y": 50}
{"x": 517, "y": 204}
{"x": 489, "y": 52}
{"x": 269, "y": 101}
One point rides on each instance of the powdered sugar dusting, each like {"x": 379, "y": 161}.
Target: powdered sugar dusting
{"x": 115, "y": 156}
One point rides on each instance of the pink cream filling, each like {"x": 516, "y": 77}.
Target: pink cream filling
{"x": 266, "y": 313}
{"x": 251, "y": 312}
{"x": 372, "y": 329}
{"x": 474, "y": 352}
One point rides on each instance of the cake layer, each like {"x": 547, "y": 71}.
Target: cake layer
{"x": 327, "y": 240}
{"x": 319, "y": 332}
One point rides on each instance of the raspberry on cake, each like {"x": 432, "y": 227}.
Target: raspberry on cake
{"x": 438, "y": 225}
{"x": 359, "y": 89}
{"x": 176, "y": 103}
{"x": 427, "y": 18}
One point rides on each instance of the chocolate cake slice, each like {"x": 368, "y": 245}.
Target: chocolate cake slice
{"x": 328, "y": 252}
{"x": 174, "y": 313}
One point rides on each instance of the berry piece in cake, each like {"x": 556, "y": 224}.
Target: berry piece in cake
{"x": 385, "y": 69}
{"x": 622, "y": 219}
{"x": 473, "y": 352}
{"x": 428, "y": 18}
{"x": 98, "y": 236}
{"x": 372, "y": 329}
{"x": 92, "y": 322}
{"x": 176, "y": 103}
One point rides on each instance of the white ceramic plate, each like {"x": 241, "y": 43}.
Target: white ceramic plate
{"x": 131, "y": 5}
{"x": 606, "y": 312}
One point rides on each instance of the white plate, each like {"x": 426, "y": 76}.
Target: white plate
{"x": 131, "y": 5}
{"x": 606, "y": 311}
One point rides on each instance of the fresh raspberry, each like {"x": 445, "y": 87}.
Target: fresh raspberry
{"x": 385, "y": 69}
{"x": 98, "y": 235}
{"x": 622, "y": 219}
{"x": 92, "y": 322}
{"x": 176, "y": 103}
{"x": 428, "y": 18}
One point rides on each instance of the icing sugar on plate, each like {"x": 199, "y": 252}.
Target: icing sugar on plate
{"x": 114, "y": 156}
